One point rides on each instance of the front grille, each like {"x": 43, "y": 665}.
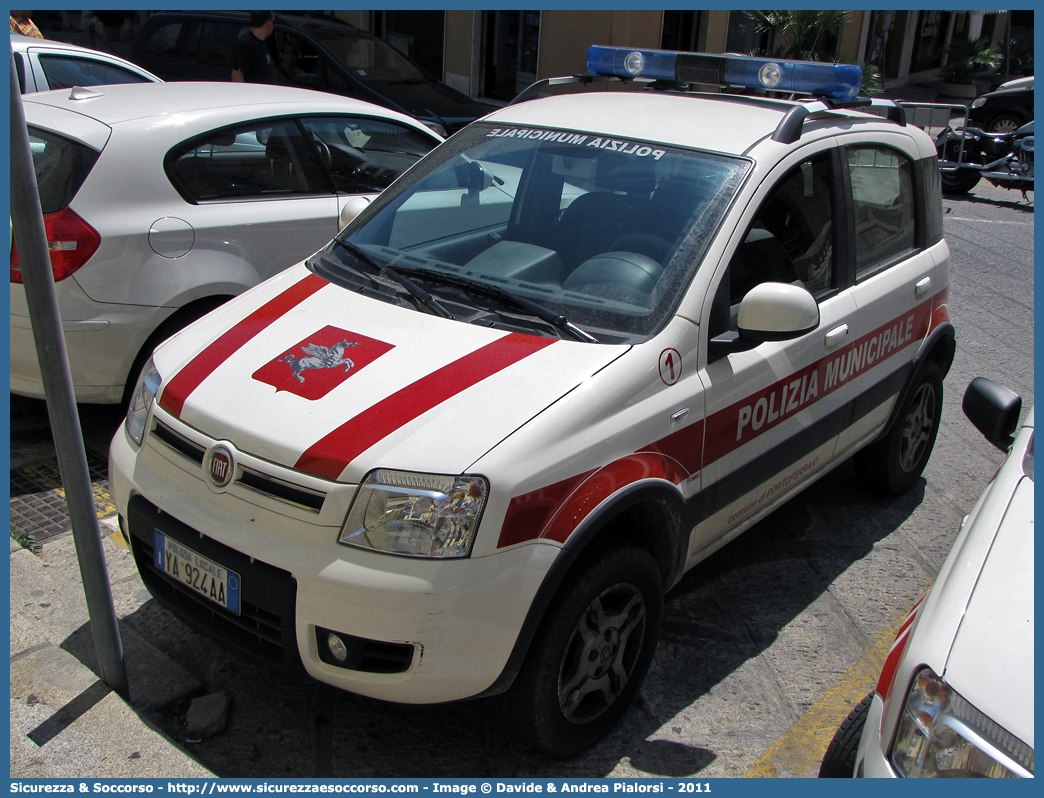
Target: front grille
{"x": 250, "y": 478}
{"x": 264, "y": 631}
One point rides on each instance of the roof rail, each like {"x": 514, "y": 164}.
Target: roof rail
{"x": 789, "y": 128}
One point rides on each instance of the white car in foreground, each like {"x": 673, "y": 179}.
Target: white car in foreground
{"x": 466, "y": 447}
{"x": 163, "y": 200}
{"x": 43, "y": 64}
{"x": 955, "y": 697}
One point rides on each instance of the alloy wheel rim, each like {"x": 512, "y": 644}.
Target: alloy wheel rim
{"x": 917, "y": 429}
{"x": 602, "y": 653}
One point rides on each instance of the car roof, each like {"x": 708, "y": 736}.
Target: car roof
{"x": 225, "y": 103}
{"x": 725, "y": 123}
{"x": 22, "y": 44}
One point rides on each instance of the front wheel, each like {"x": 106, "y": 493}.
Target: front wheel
{"x": 893, "y": 463}
{"x": 840, "y": 757}
{"x": 590, "y": 655}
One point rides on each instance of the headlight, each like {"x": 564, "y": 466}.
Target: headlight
{"x": 418, "y": 515}
{"x": 943, "y": 736}
{"x": 141, "y": 401}
{"x": 978, "y": 102}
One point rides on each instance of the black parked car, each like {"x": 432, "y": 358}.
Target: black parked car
{"x": 1004, "y": 110}
{"x": 324, "y": 54}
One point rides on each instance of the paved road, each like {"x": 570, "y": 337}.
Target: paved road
{"x": 765, "y": 646}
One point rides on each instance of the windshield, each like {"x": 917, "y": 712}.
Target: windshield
{"x": 369, "y": 59}
{"x": 605, "y": 233}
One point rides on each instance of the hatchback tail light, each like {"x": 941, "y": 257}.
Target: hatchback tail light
{"x": 70, "y": 240}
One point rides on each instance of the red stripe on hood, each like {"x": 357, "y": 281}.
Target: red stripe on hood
{"x": 206, "y": 362}
{"x": 331, "y": 455}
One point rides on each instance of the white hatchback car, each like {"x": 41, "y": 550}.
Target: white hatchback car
{"x": 955, "y": 697}
{"x": 464, "y": 449}
{"x": 42, "y": 64}
{"x": 161, "y": 201}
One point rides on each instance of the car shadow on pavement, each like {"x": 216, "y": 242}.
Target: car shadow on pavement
{"x": 713, "y": 665}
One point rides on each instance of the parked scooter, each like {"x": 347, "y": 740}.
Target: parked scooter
{"x": 968, "y": 154}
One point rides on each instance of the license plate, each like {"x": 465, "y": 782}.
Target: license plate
{"x": 198, "y": 573}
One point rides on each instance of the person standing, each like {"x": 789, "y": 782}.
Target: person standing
{"x": 20, "y": 23}
{"x": 251, "y": 59}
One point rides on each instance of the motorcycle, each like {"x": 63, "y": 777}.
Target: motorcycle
{"x": 968, "y": 154}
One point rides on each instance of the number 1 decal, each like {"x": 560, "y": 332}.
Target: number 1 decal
{"x": 670, "y": 366}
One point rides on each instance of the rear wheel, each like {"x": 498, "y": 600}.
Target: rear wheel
{"x": 893, "y": 463}
{"x": 960, "y": 182}
{"x": 963, "y": 180}
{"x": 590, "y": 655}
{"x": 840, "y": 757}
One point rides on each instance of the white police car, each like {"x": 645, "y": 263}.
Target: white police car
{"x": 464, "y": 449}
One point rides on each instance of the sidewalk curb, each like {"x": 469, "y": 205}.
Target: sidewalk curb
{"x": 66, "y": 722}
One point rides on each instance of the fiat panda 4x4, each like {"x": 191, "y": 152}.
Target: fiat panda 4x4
{"x": 465, "y": 448}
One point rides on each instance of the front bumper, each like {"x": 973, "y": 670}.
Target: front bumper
{"x": 871, "y": 758}
{"x": 457, "y": 620}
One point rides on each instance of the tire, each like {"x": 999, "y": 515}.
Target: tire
{"x": 1005, "y": 123}
{"x": 960, "y": 182}
{"x": 893, "y": 463}
{"x": 840, "y": 757}
{"x": 590, "y": 655}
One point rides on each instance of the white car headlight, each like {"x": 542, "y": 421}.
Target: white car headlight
{"x": 418, "y": 515}
{"x": 141, "y": 401}
{"x": 943, "y": 736}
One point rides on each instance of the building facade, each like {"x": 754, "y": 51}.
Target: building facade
{"x": 495, "y": 54}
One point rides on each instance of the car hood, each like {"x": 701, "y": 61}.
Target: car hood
{"x": 424, "y": 99}
{"x": 315, "y": 377}
{"x": 991, "y": 661}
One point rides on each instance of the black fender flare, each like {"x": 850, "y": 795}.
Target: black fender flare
{"x": 670, "y": 551}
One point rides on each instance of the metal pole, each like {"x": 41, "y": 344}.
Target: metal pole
{"x": 27, "y": 221}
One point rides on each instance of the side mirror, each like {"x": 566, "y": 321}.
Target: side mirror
{"x": 994, "y": 410}
{"x": 769, "y": 312}
{"x": 351, "y": 209}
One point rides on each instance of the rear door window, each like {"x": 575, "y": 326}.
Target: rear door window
{"x": 63, "y": 72}
{"x": 884, "y": 202}
{"x": 61, "y": 167}
{"x": 268, "y": 159}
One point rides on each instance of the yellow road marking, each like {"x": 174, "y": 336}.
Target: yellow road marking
{"x": 799, "y": 751}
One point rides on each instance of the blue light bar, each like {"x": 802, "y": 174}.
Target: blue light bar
{"x": 818, "y": 78}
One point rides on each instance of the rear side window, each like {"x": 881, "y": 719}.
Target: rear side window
{"x": 885, "y": 209}
{"x": 269, "y": 159}
{"x": 61, "y": 167}
{"x": 63, "y": 72}
{"x": 212, "y": 45}
{"x": 164, "y": 41}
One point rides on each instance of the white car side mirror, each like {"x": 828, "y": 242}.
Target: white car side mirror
{"x": 777, "y": 312}
{"x": 351, "y": 209}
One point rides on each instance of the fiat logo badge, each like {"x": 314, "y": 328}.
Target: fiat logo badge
{"x": 221, "y": 466}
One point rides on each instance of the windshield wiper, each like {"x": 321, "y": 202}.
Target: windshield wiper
{"x": 556, "y": 320}
{"x": 414, "y": 290}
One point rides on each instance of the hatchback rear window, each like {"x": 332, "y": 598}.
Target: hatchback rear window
{"x": 61, "y": 167}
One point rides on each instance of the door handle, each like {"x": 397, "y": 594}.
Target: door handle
{"x": 836, "y": 336}
{"x": 922, "y": 286}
